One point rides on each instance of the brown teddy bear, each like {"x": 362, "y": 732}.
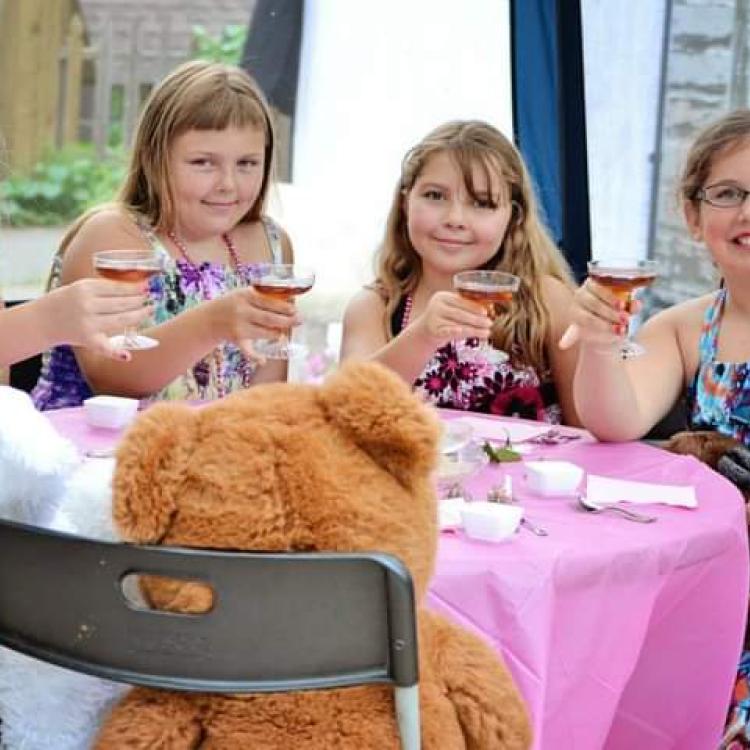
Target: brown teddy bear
{"x": 345, "y": 466}
{"x": 721, "y": 452}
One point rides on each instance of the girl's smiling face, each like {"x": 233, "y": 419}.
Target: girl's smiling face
{"x": 725, "y": 231}
{"x": 449, "y": 229}
{"x": 215, "y": 177}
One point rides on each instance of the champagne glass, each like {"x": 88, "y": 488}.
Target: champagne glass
{"x": 132, "y": 266}
{"x": 623, "y": 277}
{"x": 492, "y": 290}
{"x": 282, "y": 281}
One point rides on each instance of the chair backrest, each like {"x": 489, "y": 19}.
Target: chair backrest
{"x": 280, "y": 621}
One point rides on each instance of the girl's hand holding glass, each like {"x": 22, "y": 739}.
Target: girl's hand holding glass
{"x": 601, "y": 317}
{"x": 449, "y": 316}
{"x": 245, "y": 315}
{"x": 85, "y": 312}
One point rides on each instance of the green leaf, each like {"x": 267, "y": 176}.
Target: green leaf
{"x": 503, "y": 455}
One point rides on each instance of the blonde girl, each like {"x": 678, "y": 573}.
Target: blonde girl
{"x": 195, "y": 192}
{"x": 465, "y": 202}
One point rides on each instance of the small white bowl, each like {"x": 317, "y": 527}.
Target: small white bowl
{"x": 490, "y": 522}
{"x": 110, "y": 412}
{"x": 551, "y": 478}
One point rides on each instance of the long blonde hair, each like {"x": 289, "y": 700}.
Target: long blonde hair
{"x": 197, "y": 95}
{"x": 526, "y": 249}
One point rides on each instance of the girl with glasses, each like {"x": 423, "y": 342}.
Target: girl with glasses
{"x": 700, "y": 347}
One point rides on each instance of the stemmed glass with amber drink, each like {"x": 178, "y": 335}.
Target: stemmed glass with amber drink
{"x": 493, "y": 290}
{"x": 130, "y": 266}
{"x": 623, "y": 277}
{"x": 283, "y": 281}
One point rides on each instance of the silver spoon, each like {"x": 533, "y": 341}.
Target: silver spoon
{"x": 533, "y": 528}
{"x": 631, "y": 515}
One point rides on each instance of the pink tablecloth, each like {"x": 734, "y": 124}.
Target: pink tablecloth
{"x": 620, "y": 635}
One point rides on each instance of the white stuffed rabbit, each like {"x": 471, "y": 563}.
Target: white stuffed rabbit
{"x": 45, "y": 482}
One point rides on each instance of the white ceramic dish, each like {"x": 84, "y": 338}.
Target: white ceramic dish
{"x": 110, "y": 412}
{"x": 550, "y": 478}
{"x": 490, "y": 522}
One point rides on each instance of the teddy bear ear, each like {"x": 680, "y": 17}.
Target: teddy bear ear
{"x": 151, "y": 460}
{"x": 382, "y": 415}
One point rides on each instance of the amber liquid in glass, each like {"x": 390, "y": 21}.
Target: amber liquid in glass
{"x": 130, "y": 275}
{"x": 623, "y": 286}
{"x": 281, "y": 290}
{"x": 489, "y": 297}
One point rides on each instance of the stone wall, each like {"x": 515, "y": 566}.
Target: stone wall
{"x": 706, "y": 76}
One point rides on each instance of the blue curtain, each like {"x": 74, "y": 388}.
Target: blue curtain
{"x": 549, "y": 117}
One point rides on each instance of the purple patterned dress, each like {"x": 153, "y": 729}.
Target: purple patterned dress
{"x": 180, "y": 287}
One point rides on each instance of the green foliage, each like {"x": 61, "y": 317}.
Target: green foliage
{"x": 61, "y": 186}
{"x": 226, "y": 49}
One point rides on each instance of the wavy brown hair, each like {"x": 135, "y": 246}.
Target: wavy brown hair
{"x": 526, "y": 249}
{"x": 719, "y": 138}
{"x": 197, "y": 95}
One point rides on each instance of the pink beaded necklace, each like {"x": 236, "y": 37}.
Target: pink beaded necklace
{"x": 218, "y": 354}
{"x": 180, "y": 245}
{"x": 408, "y": 304}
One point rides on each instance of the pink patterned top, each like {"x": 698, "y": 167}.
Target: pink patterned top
{"x": 460, "y": 375}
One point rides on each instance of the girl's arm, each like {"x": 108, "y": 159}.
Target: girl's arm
{"x": 239, "y": 316}
{"x": 620, "y": 399}
{"x": 446, "y": 317}
{"x": 558, "y": 299}
{"x": 83, "y": 313}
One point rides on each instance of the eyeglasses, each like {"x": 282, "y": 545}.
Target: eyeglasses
{"x": 722, "y": 195}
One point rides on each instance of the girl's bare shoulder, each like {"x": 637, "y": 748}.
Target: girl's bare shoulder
{"x": 251, "y": 237}
{"x": 687, "y": 315}
{"x": 112, "y": 225}
{"x": 367, "y": 301}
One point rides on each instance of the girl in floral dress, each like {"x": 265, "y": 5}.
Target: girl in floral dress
{"x": 197, "y": 184}
{"x": 465, "y": 202}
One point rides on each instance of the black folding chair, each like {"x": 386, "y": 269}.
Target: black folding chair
{"x": 280, "y": 621}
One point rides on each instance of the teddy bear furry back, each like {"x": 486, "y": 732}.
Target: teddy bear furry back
{"x": 44, "y": 482}
{"x": 345, "y": 466}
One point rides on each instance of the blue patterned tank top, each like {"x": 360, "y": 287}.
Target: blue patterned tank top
{"x": 180, "y": 287}
{"x": 719, "y": 396}
{"x": 461, "y": 376}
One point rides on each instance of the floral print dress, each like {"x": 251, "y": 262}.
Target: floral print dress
{"x": 180, "y": 287}
{"x": 460, "y": 375}
{"x": 719, "y": 396}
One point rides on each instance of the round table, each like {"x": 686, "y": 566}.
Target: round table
{"x": 620, "y": 635}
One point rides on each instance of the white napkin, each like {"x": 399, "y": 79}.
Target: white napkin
{"x": 494, "y": 429}
{"x": 606, "y": 490}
